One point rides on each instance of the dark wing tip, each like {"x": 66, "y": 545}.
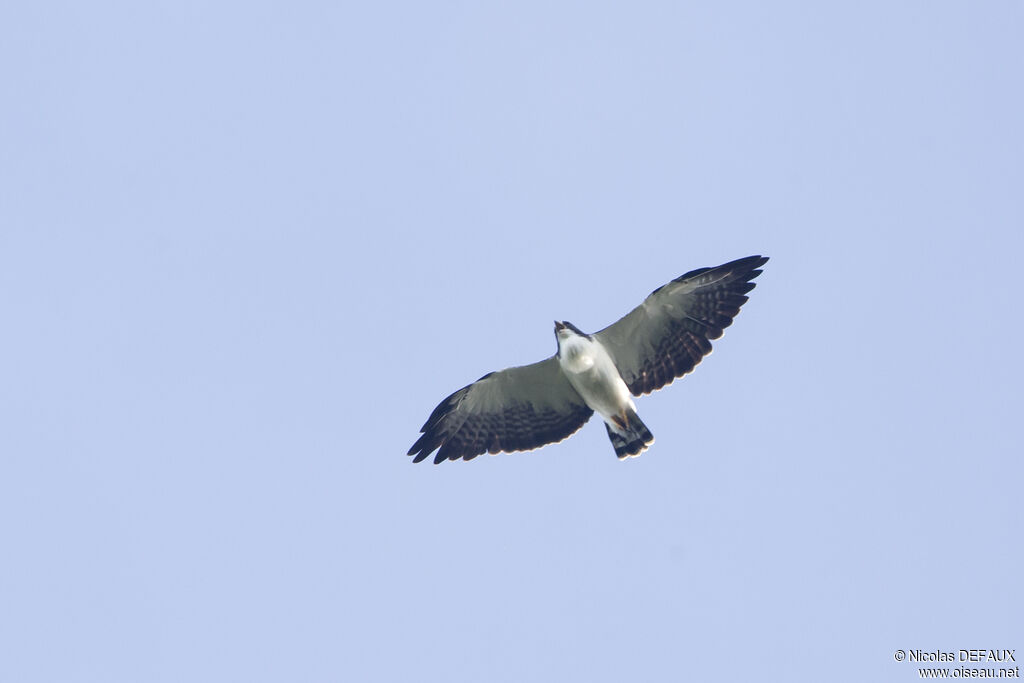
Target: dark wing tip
{"x": 741, "y": 269}
{"x": 754, "y": 265}
{"x": 423, "y": 447}
{"x": 751, "y": 262}
{"x": 433, "y": 435}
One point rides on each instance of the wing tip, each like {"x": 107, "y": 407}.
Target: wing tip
{"x": 748, "y": 265}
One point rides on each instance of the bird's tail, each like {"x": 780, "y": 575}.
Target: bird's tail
{"x": 629, "y": 435}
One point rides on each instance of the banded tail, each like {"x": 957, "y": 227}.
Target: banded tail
{"x": 629, "y": 435}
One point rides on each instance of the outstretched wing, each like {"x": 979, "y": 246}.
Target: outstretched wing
{"x": 667, "y": 335}
{"x": 516, "y": 409}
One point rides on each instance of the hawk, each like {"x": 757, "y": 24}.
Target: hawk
{"x": 529, "y": 406}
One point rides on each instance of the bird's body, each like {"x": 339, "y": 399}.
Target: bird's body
{"x": 592, "y": 373}
{"x": 525, "y": 407}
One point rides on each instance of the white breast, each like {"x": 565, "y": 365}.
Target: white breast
{"x": 577, "y": 355}
{"x": 593, "y": 374}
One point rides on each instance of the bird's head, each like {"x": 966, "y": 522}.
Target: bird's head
{"x": 565, "y": 329}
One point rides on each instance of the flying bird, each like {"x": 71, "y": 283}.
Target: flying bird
{"x": 529, "y": 406}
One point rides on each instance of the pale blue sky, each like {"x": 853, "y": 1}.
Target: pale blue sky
{"x": 245, "y": 248}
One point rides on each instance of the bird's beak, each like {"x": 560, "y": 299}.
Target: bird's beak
{"x": 559, "y": 326}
